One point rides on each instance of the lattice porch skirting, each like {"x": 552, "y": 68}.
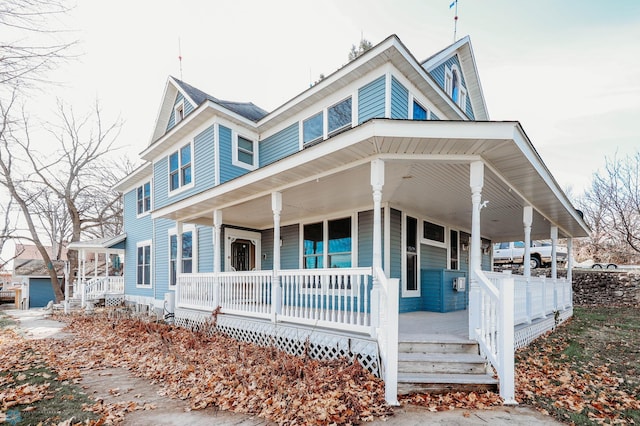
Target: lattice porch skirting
{"x": 323, "y": 345}
{"x": 528, "y": 333}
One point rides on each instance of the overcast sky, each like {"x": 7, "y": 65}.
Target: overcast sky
{"x": 568, "y": 70}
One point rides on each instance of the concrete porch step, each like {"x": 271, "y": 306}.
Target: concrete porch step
{"x": 451, "y": 363}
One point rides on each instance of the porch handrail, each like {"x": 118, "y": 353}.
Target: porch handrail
{"x": 385, "y": 318}
{"x": 495, "y": 328}
{"x": 97, "y": 287}
{"x": 326, "y": 297}
{"x": 540, "y": 297}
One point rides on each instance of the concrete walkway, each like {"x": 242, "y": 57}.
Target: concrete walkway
{"x": 36, "y": 324}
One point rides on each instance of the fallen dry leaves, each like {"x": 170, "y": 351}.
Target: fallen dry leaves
{"x": 216, "y": 371}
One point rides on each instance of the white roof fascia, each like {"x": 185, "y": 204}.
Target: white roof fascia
{"x": 133, "y": 179}
{"x": 206, "y": 107}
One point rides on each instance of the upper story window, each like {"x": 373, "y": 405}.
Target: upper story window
{"x": 312, "y": 128}
{"x": 453, "y": 86}
{"x": 419, "y": 112}
{"x": 178, "y": 112}
{"x": 180, "y": 168}
{"x": 245, "y": 152}
{"x": 144, "y": 198}
{"x": 339, "y": 116}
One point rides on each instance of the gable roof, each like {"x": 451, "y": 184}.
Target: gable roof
{"x": 197, "y": 97}
{"x": 464, "y": 50}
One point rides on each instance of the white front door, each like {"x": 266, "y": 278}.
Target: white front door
{"x": 242, "y": 250}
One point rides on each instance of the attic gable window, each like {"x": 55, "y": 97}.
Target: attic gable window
{"x": 180, "y": 168}
{"x": 245, "y": 152}
{"x": 178, "y": 112}
{"x": 453, "y": 86}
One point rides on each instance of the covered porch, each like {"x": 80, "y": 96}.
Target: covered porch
{"x": 481, "y": 178}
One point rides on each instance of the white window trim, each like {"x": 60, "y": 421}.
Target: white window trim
{"x": 325, "y": 120}
{"x": 144, "y": 244}
{"x": 176, "y": 109}
{"x": 448, "y": 81}
{"x": 148, "y": 212}
{"x": 448, "y": 237}
{"x": 234, "y": 152}
{"x": 233, "y": 234}
{"x": 406, "y": 292}
{"x": 191, "y": 184}
{"x": 434, "y": 243}
{"x": 194, "y": 265}
{"x": 462, "y": 100}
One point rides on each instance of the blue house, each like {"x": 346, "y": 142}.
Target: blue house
{"x": 349, "y": 217}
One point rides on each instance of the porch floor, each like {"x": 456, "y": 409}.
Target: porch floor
{"x": 425, "y": 326}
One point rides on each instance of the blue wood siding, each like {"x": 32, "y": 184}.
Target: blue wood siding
{"x": 438, "y": 293}
{"x": 279, "y": 145}
{"x": 203, "y": 170}
{"x": 161, "y": 256}
{"x": 432, "y": 257}
{"x": 266, "y": 241}
{"x": 137, "y": 229}
{"x": 399, "y": 100}
{"x": 438, "y": 75}
{"x": 365, "y": 238}
{"x": 227, "y": 170}
{"x": 205, "y": 248}
{"x": 188, "y": 107}
{"x": 290, "y": 249}
{"x": 371, "y": 100}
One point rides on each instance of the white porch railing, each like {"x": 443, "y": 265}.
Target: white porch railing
{"x": 385, "y": 301}
{"x": 503, "y": 301}
{"x": 337, "y": 298}
{"x": 97, "y": 288}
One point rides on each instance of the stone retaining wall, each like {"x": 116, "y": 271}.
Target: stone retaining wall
{"x": 600, "y": 286}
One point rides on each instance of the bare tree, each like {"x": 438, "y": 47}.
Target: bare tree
{"x": 7, "y": 231}
{"x": 66, "y": 192}
{"x": 363, "y": 46}
{"x": 612, "y": 208}
{"x": 31, "y": 46}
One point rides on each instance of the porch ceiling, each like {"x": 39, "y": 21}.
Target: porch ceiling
{"x": 426, "y": 173}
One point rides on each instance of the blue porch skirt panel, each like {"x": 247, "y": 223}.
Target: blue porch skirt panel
{"x": 438, "y": 293}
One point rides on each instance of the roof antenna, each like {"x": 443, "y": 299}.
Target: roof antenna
{"x": 455, "y": 19}
{"x": 180, "y": 57}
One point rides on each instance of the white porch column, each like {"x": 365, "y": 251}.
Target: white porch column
{"x": 377, "y": 182}
{"x": 554, "y": 255}
{"x": 217, "y": 231}
{"x": 476, "y": 181}
{"x": 96, "y": 256}
{"x": 527, "y": 220}
{"x": 276, "y": 290}
{"x": 82, "y": 277}
{"x": 570, "y": 270}
{"x": 217, "y": 255}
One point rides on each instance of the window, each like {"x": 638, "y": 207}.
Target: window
{"x": 411, "y": 249}
{"x": 454, "y": 250}
{"x": 244, "y": 152}
{"x": 187, "y": 255}
{"x": 419, "y": 113}
{"x": 312, "y": 128}
{"x": 455, "y": 86}
{"x": 144, "y": 198}
{"x": 339, "y": 116}
{"x": 463, "y": 99}
{"x": 178, "y": 112}
{"x": 335, "y": 244}
{"x": 180, "y": 168}
{"x": 143, "y": 264}
{"x": 433, "y": 232}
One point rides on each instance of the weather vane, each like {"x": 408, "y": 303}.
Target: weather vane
{"x": 455, "y": 19}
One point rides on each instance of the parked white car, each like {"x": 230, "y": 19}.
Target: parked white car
{"x": 513, "y": 253}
